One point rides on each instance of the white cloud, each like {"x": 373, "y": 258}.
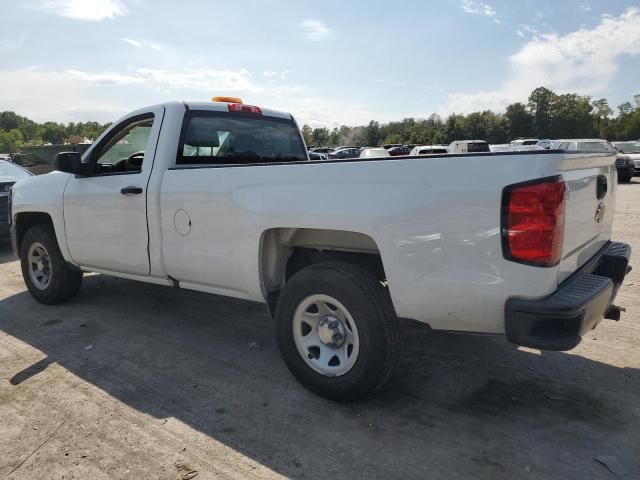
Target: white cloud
{"x": 143, "y": 44}
{"x": 73, "y": 95}
{"x": 13, "y": 42}
{"x": 60, "y": 96}
{"x": 133, "y": 42}
{"x": 315, "y": 30}
{"x": 584, "y": 61}
{"x": 76, "y": 95}
{"x": 273, "y": 75}
{"x": 524, "y": 30}
{"x": 92, "y": 10}
{"x": 478, "y": 8}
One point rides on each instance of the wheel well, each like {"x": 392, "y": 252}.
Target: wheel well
{"x": 303, "y": 257}
{"x": 285, "y": 251}
{"x": 24, "y": 221}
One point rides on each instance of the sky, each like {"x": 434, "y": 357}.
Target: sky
{"x": 329, "y": 62}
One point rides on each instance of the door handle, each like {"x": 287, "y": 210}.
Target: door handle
{"x": 131, "y": 191}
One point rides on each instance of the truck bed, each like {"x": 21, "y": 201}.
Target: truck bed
{"x": 435, "y": 221}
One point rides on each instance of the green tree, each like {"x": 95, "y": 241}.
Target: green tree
{"x": 307, "y": 134}
{"x": 540, "y": 106}
{"x": 601, "y": 113}
{"x": 519, "y": 122}
{"x": 571, "y": 116}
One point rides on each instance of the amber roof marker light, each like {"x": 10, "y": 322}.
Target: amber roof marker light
{"x": 227, "y": 99}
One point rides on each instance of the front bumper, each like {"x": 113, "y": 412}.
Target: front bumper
{"x": 558, "y": 321}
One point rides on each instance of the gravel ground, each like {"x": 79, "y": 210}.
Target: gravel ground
{"x": 138, "y": 381}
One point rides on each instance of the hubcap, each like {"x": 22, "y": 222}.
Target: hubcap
{"x": 326, "y": 335}
{"x": 331, "y": 331}
{"x": 39, "y": 266}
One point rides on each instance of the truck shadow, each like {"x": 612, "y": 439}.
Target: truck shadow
{"x": 6, "y": 255}
{"x": 458, "y": 407}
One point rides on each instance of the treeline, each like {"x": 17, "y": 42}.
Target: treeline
{"x": 17, "y": 131}
{"x": 545, "y": 115}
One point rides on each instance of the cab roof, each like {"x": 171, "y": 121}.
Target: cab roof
{"x": 224, "y": 107}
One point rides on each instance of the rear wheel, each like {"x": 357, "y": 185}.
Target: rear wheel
{"x": 47, "y": 275}
{"x": 337, "y": 331}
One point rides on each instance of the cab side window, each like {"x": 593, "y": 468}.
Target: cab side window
{"x": 123, "y": 151}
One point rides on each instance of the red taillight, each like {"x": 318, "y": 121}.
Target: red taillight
{"x": 533, "y": 222}
{"x": 241, "y": 107}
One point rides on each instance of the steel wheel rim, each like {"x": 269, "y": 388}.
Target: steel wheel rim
{"x": 315, "y": 335}
{"x": 39, "y": 266}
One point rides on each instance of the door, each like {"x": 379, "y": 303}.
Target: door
{"x": 105, "y": 212}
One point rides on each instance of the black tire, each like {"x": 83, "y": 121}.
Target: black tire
{"x": 625, "y": 178}
{"x": 369, "y": 304}
{"x": 65, "y": 281}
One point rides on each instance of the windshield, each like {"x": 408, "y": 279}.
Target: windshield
{"x": 629, "y": 147}
{"x": 596, "y": 146}
{"x": 11, "y": 171}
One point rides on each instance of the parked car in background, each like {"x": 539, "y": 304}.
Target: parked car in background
{"x": 374, "y": 153}
{"x": 469, "y": 146}
{"x": 341, "y": 153}
{"x": 500, "y": 147}
{"x": 391, "y": 145}
{"x": 5, "y": 157}
{"x": 585, "y": 144}
{"x": 523, "y": 142}
{"x": 399, "y": 151}
{"x": 428, "y": 150}
{"x": 524, "y": 148}
{"x": 9, "y": 175}
{"x": 317, "y": 156}
{"x": 325, "y": 150}
{"x": 546, "y": 144}
{"x": 623, "y": 162}
{"x": 632, "y": 150}
{"x": 625, "y": 167}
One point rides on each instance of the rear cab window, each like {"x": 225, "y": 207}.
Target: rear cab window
{"x": 220, "y": 138}
{"x": 478, "y": 147}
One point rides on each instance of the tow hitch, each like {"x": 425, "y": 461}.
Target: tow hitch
{"x": 613, "y": 312}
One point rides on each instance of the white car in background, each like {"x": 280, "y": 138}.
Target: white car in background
{"x": 374, "y": 153}
{"x": 524, "y": 145}
{"x": 632, "y": 150}
{"x": 429, "y": 150}
{"x": 469, "y": 146}
{"x": 500, "y": 147}
{"x": 523, "y": 142}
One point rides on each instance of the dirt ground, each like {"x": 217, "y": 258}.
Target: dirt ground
{"x": 140, "y": 381}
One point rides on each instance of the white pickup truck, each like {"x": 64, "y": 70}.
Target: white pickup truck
{"x": 221, "y": 197}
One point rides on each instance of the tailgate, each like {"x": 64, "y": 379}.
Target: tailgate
{"x": 588, "y": 219}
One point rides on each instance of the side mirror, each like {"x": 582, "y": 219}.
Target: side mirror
{"x": 68, "y": 162}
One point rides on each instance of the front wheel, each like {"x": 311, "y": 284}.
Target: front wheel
{"x": 337, "y": 330}
{"x": 48, "y": 277}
